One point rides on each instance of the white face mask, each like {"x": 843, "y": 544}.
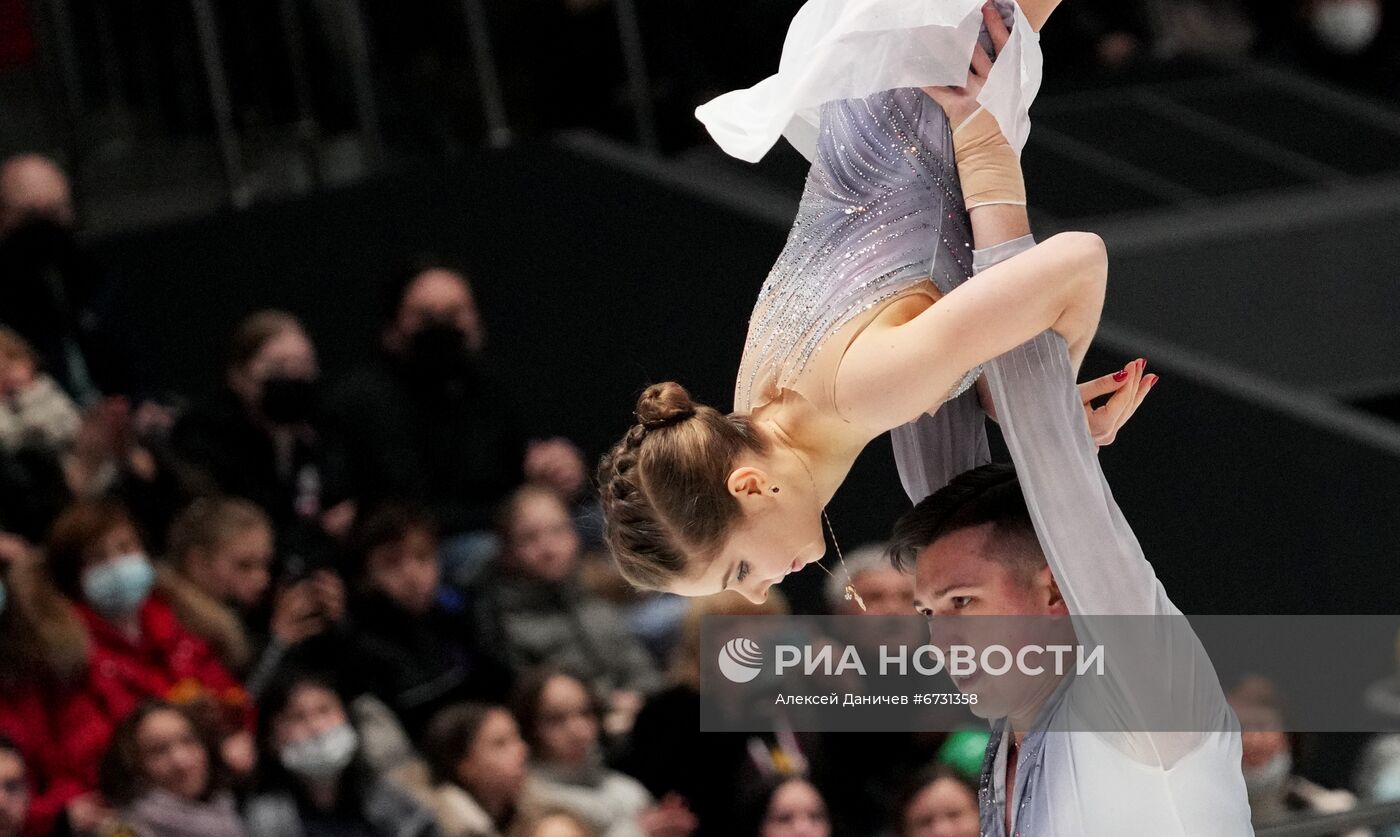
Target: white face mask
{"x": 1269, "y": 779}
{"x": 1347, "y": 27}
{"x": 323, "y": 756}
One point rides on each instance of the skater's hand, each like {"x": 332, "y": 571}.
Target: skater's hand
{"x": 961, "y": 102}
{"x": 1126, "y": 389}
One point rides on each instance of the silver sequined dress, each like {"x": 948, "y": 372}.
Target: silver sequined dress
{"x": 881, "y": 213}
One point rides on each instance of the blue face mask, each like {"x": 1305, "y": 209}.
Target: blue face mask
{"x": 119, "y": 587}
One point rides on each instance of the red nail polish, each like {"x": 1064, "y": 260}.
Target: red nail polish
{"x": 1121, "y": 376}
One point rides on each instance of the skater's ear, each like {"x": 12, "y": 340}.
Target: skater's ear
{"x": 747, "y": 482}
{"x": 1048, "y": 592}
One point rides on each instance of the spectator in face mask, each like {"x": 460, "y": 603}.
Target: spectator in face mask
{"x": 164, "y": 774}
{"x": 429, "y": 421}
{"x": 1276, "y": 793}
{"x": 259, "y": 437}
{"x": 316, "y": 780}
{"x": 219, "y": 581}
{"x": 139, "y": 649}
{"x": 49, "y": 285}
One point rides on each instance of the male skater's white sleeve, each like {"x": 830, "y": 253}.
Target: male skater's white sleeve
{"x": 1151, "y": 740}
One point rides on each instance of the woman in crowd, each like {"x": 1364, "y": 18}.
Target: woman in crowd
{"x": 139, "y": 648}
{"x": 561, "y": 721}
{"x": 791, "y": 807}
{"x": 219, "y": 581}
{"x": 258, "y": 438}
{"x": 43, "y": 654}
{"x": 478, "y": 762}
{"x": 317, "y": 780}
{"x": 939, "y": 803}
{"x": 164, "y": 773}
{"x": 532, "y": 600}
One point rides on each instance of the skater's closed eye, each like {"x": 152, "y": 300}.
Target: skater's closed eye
{"x": 743, "y": 571}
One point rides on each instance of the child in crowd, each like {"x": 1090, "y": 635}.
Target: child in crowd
{"x": 478, "y": 762}
{"x": 418, "y": 646}
{"x": 219, "y": 582}
{"x": 561, "y": 721}
{"x": 164, "y": 774}
{"x": 33, "y": 408}
{"x": 318, "y": 778}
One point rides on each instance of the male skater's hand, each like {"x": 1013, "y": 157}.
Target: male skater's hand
{"x": 961, "y": 102}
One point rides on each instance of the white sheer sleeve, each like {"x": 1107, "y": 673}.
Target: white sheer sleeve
{"x": 1155, "y": 700}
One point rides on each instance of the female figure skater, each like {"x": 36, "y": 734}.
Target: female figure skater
{"x": 864, "y": 326}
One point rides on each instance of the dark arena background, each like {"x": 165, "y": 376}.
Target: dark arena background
{"x": 1240, "y": 158}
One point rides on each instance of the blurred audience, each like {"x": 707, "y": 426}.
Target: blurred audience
{"x": 554, "y": 823}
{"x": 791, "y": 807}
{"x": 53, "y": 293}
{"x": 14, "y": 790}
{"x": 431, "y": 422}
{"x": 35, "y": 411}
{"x": 43, "y": 656}
{"x": 531, "y": 600}
{"x": 478, "y": 760}
{"x": 219, "y": 583}
{"x": 562, "y": 722}
{"x": 883, "y": 589}
{"x": 138, "y": 648}
{"x": 939, "y": 802}
{"x": 259, "y": 437}
{"x": 1276, "y": 793}
{"x": 315, "y": 779}
{"x": 417, "y": 643}
{"x": 717, "y": 764}
{"x": 164, "y": 775}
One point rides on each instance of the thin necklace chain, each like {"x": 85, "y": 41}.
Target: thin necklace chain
{"x": 850, "y": 583}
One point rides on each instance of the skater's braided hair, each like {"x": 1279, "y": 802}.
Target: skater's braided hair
{"x": 664, "y": 486}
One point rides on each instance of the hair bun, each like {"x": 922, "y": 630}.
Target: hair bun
{"x": 663, "y": 405}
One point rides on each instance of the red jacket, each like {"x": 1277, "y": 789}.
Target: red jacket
{"x": 167, "y": 662}
{"x": 25, "y": 719}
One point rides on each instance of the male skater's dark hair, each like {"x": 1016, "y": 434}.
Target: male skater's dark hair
{"x": 989, "y": 494}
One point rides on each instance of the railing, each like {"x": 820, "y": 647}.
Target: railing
{"x": 82, "y": 68}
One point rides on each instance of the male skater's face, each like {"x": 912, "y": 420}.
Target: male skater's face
{"x": 974, "y": 572}
{"x": 971, "y": 572}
